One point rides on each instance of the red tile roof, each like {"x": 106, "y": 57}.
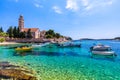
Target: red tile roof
{"x": 32, "y": 29}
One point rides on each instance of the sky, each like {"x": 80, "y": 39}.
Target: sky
{"x": 75, "y": 18}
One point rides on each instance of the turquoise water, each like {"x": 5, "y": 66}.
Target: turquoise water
{"x": 53, "y": 63}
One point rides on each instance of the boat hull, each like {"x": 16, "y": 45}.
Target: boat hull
{"x": 24, "y": 49}
{"x": 105, "y": 53}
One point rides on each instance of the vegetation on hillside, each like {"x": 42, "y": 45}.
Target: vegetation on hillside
{"x": 51, "y": 34}
{"x": 14, "y": 32}
{"x": 2, "y": 35}
{"x": 2, "y": 39}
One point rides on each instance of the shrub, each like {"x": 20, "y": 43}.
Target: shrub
{"x": 2, "y": 40}
{"x": 49, "y": 36}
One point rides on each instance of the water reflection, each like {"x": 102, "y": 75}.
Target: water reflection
{"x": 45, "y": 53}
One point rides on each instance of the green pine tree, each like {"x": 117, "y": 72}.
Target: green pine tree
{"x": 10, "y": 31}
{"x": 15, "y": 32}
{"x": 1, "y": 30}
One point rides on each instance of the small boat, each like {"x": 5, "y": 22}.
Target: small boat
{"x": 68, "y": 45}
{"x": 36, "y": 45}
{"x": 101, "y": 49}
{"x": 23, "y": 49}
{"x": 40, "y": 45}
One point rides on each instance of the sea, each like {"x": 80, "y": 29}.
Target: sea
{"x": 67, "y": 63}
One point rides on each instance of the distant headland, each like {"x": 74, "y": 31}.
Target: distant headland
{"x": 116, "y": 38}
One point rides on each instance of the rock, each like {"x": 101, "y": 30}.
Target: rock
{"x": 6, "y": 65}
{"x": 9, "y": 71}
{"x": 18, "y": 74}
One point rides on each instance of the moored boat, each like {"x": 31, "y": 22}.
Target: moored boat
{"x": 68, "y": 44}
{"x": 102, "y": 50}
{"x": 40, "y": 45}
{"x": 105, "y": 53}
{"x": 36, "y": 45}
{"x": 23, "y": 49}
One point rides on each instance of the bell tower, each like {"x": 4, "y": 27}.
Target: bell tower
{"x": 21, "y": 22}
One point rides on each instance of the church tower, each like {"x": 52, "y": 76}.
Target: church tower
{"x": 21, "y": 23}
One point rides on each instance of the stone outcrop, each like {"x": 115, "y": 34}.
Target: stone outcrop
{"x": 13, "y": 72}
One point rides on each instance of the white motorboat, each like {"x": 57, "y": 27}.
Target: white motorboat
{"x": 102, "y": 50}
{"x": 36, "y": 45}
{"x": 40, "y": 45}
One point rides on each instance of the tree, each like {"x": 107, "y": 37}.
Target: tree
{"x": 22, "y": 34}
{"x": 18, "y": 33}
{"x": 3, "y": 34}
{"x": 57, "y": 35}
{"x": 50, "y": 34}
{"x": 10, "y": 32}
{"x": 1, "y": 30}
{"x": 29, "y": 35}
{"x": 15, "y": 32}
{"x": 2, "y": 40}
{"x": 68, "y": 38}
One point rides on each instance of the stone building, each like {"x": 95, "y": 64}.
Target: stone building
{"x": 34, "y": 31}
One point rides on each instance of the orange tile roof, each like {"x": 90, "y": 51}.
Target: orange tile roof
{"x": 32, "y": 29}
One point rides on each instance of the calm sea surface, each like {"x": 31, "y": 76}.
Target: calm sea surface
{"x": 53, "y": 63}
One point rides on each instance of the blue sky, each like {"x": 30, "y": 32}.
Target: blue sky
{"x": 74, "y": 18}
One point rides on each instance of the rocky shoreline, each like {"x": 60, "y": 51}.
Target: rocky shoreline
{"x": 19, "y": 41}
{"x": 14, "y": 72}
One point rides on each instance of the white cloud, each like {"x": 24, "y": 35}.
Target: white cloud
{"x": 57, "y": 9}
{"x": 72, "y": 5}
{"x": 37, "y": 4}
{"x": 99, "y": 4}
{"x": 87, "y": 5}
